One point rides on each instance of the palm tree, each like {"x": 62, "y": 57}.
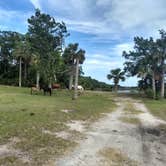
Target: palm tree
{"x": 116, "y": 75}
{"x": 162, "y": 53}
{"x": 79, "y": 59}
{"x": 23, "y": 53}
{"x": 36, "y": 63}
{"x": 72, "y": 58}
{"x": 68, "y": 57}
{"x": 19, "y": 54}
{"x": 144, "y": 61}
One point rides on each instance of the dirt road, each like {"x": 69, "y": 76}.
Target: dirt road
{"x": 128, "y": 136}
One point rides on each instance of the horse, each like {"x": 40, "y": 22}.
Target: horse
{"x": 46, "y": 89}
{"x": 79, "y": 88}
{"x": 56, "y": 86}
{"x": 34, "y": 89}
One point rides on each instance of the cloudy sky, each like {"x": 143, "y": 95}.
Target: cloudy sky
{"x": 104, "y": 28}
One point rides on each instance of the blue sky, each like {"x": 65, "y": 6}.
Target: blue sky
{"x": 104, "y": 28}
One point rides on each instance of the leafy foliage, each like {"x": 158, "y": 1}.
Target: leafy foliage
{"x": 116, "y": 75}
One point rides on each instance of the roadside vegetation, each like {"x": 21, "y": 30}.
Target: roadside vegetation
{"x": 157, "y": 107}
{"x": 116, "y": 157}
{"x": 131, "y": 120}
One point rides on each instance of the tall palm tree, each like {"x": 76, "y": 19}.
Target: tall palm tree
{"x": 19, "y": 54}
{"x": 36, "y": 63}
{"x": 68, "y": 57}
{"x": 72, "y": 58}
{"x": 23, "y": 53}
{"x": 79, "y": 59}
{"x": 162, "y": 53}
{"x": 116, "y": 75}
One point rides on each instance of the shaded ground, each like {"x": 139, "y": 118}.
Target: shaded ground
{"x": 128, "y": 136}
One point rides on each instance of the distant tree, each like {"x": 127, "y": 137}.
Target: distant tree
{"x": 116, "y": 75}
{"x": 93, "y": 84}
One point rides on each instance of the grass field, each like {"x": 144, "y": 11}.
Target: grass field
{"x": 157, "y": 107}
{"x": 23, "y": 117}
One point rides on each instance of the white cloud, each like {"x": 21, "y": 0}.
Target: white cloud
{"x": 119, "y": 48}
{"x": 110, "y": 18}
{"x": 131, "y": 14}
{"x": 97, "y": 63}
{"x": 36, "y": 4}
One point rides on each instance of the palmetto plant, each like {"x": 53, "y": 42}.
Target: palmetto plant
{"x": 116, "y": 75}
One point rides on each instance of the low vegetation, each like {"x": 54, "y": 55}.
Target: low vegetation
{"x": 130, "y": 109}
{"x": 24, "y": 116}
{"x": 116, "y": 157}
{"x": 131, "y": 120}
{"x": 157, "y": 107}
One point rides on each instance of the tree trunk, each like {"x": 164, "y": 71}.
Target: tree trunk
{"x": 76, "y": 80}
{"x": 20, "y": 72}
{"x": 50, "y": 84}
{"x": 153, "y": 86}
{"x": 162, "y": 84}
{"x": 25, "y": 71}
{"x": 116, "y": 88}
{"x": 37, "y": 79}
{"x": 70, "y": 81}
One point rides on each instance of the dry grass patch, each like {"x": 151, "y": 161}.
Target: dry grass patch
{"x": 116, "y": 157}
{"x": 12, "y": 160}
{"x": 130, "y": 120}
{"x": 130, "y": 109}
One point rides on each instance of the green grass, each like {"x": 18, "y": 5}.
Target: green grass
{"x": 157, "y": 107}
{"x": 25, "y": 116}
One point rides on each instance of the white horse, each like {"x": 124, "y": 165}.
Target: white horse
{"x": 79, "y": 87}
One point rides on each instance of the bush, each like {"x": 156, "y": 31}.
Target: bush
{"x": 149, "y": 93}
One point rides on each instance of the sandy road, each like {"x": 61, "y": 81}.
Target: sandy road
{"x": 143, "y": 143}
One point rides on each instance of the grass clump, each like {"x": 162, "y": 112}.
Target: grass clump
{"x": 12, "y": 160}
{"x": 130, "y": 120}
{"x": 116, "y": 157}
{"x": 130, "y": 109}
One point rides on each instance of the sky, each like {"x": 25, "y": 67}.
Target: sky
{"x": 104, "y": 28}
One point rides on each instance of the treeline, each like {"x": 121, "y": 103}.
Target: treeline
{"x": 147, "y": 61}
{"x": 92, "y": 84}
{"x": 39, "y": 55}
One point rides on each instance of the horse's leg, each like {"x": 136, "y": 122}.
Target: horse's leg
{"x": 50, "y": 92}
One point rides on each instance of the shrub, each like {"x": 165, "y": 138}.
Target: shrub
{"x": 149, "y": 93}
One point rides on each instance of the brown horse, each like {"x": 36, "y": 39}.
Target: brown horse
{"x": 56, "y": 86}
{"x": 34, "y": 90}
